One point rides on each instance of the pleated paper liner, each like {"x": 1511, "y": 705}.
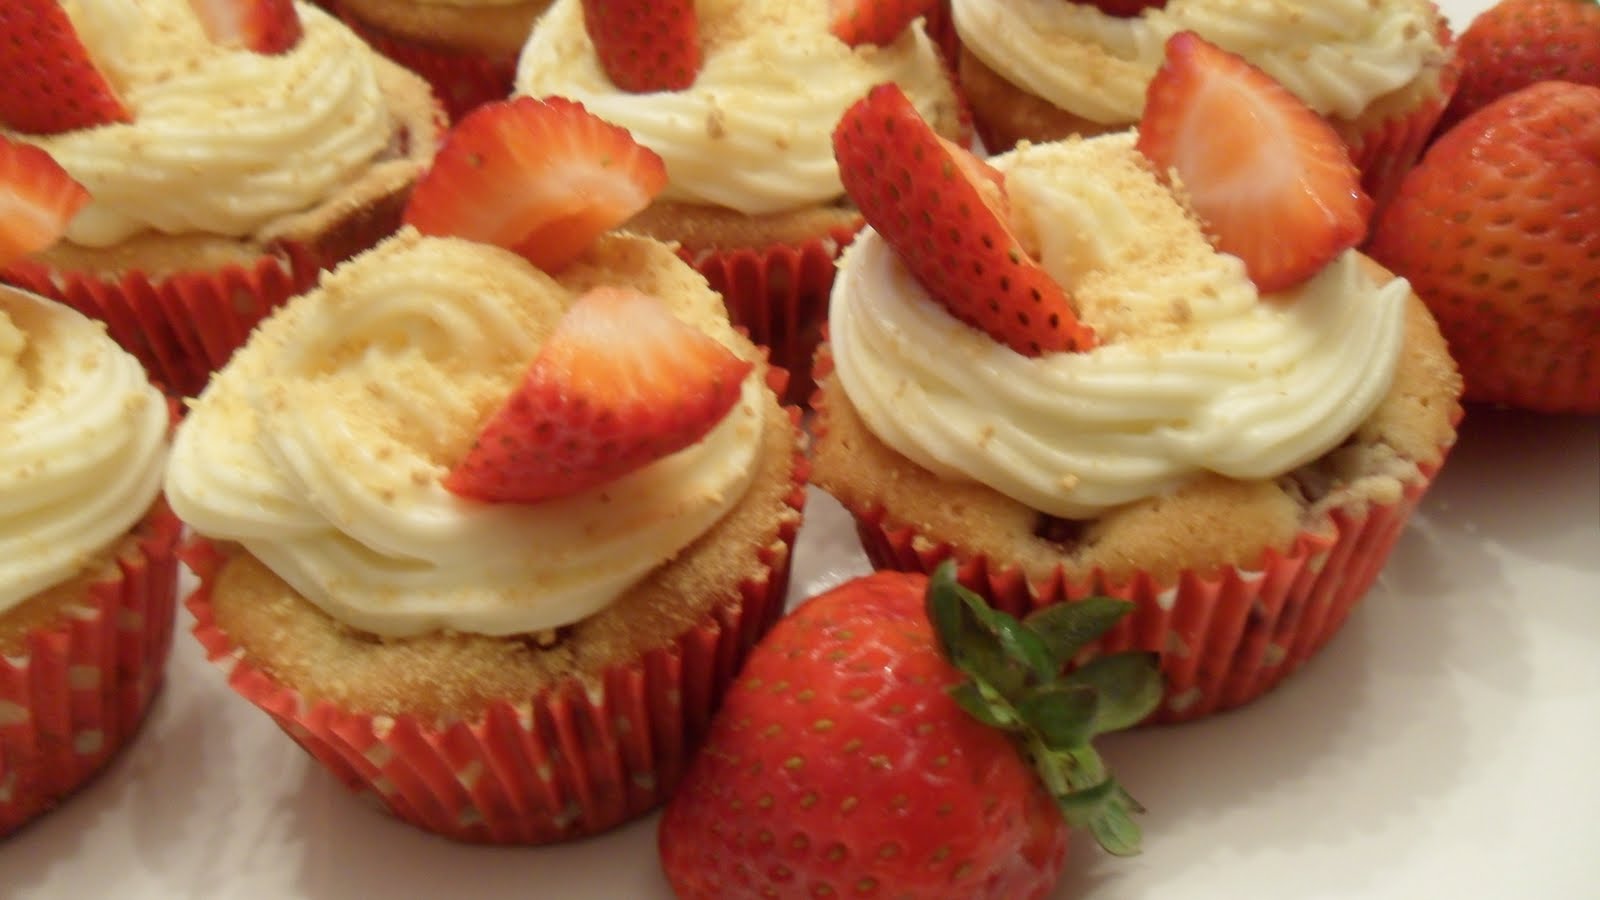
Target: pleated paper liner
{"x": 462, "y": 81}
{"x": 1387, "y": 151}
{"x": 572, "y": 761}
{"x": 80, "y": 688}
{"x": 186, "y": 325}
{"x": 779, "y": 296}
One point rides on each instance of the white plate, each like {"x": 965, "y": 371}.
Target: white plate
{"x": 1441, "y": 746}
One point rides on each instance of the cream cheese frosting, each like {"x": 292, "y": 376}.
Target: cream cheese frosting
{"x": 222, "y": 141}
{"x": 752, "y": 133}
{"x": 321, "y": 446}
{"x": 82, "y": 444}
{"x": 1336, "y": 55}
{"x": 1195, "y": 371}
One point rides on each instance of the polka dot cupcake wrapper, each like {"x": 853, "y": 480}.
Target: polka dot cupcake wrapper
{"x": 575, "y": 760}
{"x": 80, "y": 688}
{"x": 779, "y": 296}
{"x": 183, "y": 326}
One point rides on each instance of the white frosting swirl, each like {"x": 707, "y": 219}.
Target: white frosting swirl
{"x": 753, "y": 133}
{"x": 222, "y": 141}
{"x": 1336, "y": 55}
{"x": 1196, "y": 370}
{"x": 322, "y": 445}
{"x": 82, "y": 444}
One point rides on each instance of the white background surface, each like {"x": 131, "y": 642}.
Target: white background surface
{"x": 1446, "y": 744}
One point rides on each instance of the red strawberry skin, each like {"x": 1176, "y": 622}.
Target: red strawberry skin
{"x": 645, "y": 45}
{"x": 48, "y": 84}
{"x": 1126, "y": 9}
{"x": 1498, "y": 231}
{"x": 264, "y": 26}
{"x": 874, "y": 21}
{"x": 1271, "y": 179}
{"x": 938, "y": 206}
{"x": 543, "y": 178}
{"x": 37, "y": 200}
{"x": 1519, "y": 42}
{"x": 839, "y": 767}
{"x": 619, "y": 384}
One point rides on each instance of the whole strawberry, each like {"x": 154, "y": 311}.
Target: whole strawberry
{"x": 1498, "y": 230}
{"x": 853, "y": 757}
{"x": 1519, "y": 42}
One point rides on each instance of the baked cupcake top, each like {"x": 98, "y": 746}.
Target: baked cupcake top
{"x": 82, "y": 443}
{"x": 1338, "y": 56}
{"x": 1195, "y": 370}
{"x": 751, "y": 133}
{"x": 323, "y": 446}
{"x": 219, "y": 139}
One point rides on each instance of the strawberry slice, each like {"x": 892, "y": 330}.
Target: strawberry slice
{"x": 620, "y": 383}
{"x": 268, "y": 27}
{"x": 943, "y": 211}
{"x": 543, "y": 178}
{"x": 49, "y": 83}
{"x": 37, "y": 200}
{"x": 1126, "y": 9}
{"x": 645, "y": 45}
{"x": 878, "y": 22}
{"x": 1270, "y": 178}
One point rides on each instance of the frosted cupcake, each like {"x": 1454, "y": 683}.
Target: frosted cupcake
{"x": 1234, "y": 460}
{"x": 1380, "y": 73}
{"x": 458, "y": 538}
{"x": 88, "y": 576}
{"x": 753, "y": 199}
{"x": 467, "y": 49}
{"x": 223, "y": 177}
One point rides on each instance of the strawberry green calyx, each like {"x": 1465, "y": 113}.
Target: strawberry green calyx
{"x": 1016, "y": 685}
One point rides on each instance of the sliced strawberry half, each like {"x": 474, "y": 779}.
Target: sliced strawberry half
{"x": 48, "y": 83}
{"x": 620, "y": 383}
{"x": 1270, "y": 178}
{"x": 645, "y": 45}
{"x": 874, "y": 21}
{"x": 543, "y": 178}
{"x": 1126, "y": 9}
{"x": 944, "y": 212}
{"x": 37, "y": 200}
{"x": 264, "y": 26}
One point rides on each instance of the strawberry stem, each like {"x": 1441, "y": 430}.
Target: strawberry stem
{"x": 1016, "y": 685}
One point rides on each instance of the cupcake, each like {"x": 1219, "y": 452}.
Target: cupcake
{"x": 1380, "y": 73}
{"x": 88, "y": 573}
{"x": 223, "y": 176}
{"x": 1139, "y": 417}
{"x": 467, "y": 49}
{"x": 740, "y": 111}
{"x": 489, "y": 540}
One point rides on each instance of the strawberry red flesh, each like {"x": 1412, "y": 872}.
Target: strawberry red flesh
{"x": 1270, "y": 178}
{"x": 620, "y": 383}
{"x": 543, "y": 178}
{"x": 878, "y": 22}
{"x": 1126, "y": 9}
{"x": 944, "y": 213}
{"x": 37, "y": 200}
{"x": 645, "y": 45}
{"x": 48, "y": 83}
{"x": 263, "y": 26}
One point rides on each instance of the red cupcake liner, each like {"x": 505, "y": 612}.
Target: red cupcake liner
{"x": 1386, "y": 152}
{"x": 572, "y": 761}
{"x": 1224, "y": 637}
{"x": 182, "y": 326}
{"x": 462, "y": 81}
{"x": 941, "y": 28}
{"x": 80, "y": 689}
{"x": 779, "y": 296}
